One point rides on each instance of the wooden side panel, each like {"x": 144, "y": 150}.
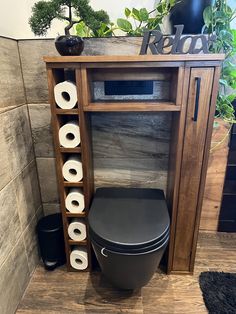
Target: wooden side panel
{"x": 191, "y": 169}
{"x": 175, "y": 158}
{"x": 86, "y": 146}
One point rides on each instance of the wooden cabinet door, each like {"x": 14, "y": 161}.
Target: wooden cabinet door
{"x": 198, "y": 106}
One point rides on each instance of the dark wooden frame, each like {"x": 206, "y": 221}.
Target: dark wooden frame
{"x": 187, "y": 134}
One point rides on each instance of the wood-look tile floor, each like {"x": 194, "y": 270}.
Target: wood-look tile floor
{"x": 62, "y": 292}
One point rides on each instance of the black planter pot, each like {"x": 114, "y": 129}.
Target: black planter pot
{"x": 190, "y": 14}
{"x": 69, "y": 45}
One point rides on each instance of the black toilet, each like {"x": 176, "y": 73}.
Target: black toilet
{"x": 129, "y": 230}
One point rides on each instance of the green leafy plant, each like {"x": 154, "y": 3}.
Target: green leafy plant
{"x": 43, "y": 12}
{"x": 144, "y": 20}
{"x": 217, "y": 19}
{"x": 105, "y": 30}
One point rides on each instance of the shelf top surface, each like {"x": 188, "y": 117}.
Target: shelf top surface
{"x": 135, "y": 58}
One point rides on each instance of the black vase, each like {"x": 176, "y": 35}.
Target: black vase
{"x": 190, "y": 14}
{"x": 69, "y": 45}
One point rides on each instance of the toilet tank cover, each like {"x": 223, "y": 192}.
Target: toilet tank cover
{"x": 128, "y": 217}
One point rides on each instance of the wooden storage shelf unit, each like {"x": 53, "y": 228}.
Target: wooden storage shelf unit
{"x": 193, "y": 84}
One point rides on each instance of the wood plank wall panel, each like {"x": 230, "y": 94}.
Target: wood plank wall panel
{"x": 215, "y": 176}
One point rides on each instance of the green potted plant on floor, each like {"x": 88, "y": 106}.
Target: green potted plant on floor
{"x": 46, "y": 11}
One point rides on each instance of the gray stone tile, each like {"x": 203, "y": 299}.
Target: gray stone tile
{"x": 10, "y": 228}
{"x": 144, "y": 173}
{"x": 31, "y": 244}
{"x": 47, "y": 180}
{"x": 27, "y": 194}
{"x": 131, "y": 149}
{"x": 49, "y": 209}
{"x": 39, "y": 213}
{"x": 11, "y": 88}
{"x": 5, "y": 173}
{"x": 112, "y": 46}
{"x": 131, "y": 135}
{"x": 34, "y": 69}
{"x": 40, "y": 118}
{"x": 14, "y": 279}
{"x": 16, "y": 144}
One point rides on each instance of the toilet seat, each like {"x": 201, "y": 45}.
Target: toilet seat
{"x": 129, "y": 220}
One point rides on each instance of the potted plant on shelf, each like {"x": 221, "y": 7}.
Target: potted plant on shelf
{"x": 46, "y": 11}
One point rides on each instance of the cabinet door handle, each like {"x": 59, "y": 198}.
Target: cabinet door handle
{"x": 198, "y": 84}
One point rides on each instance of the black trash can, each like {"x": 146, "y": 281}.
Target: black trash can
{"x": 129, "y": 231}
{"x": 51, "y": 241}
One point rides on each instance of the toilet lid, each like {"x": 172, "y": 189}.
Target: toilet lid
{"x": 128, "y": 217}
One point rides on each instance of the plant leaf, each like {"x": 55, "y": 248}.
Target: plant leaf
{"x": 143, "y": 13}
{"x": 136, "y": 14}
{"x": 207, "y": 16}
{"x": 124, "y": 25}
{"x": 127, "y": 12}
{"x": 80, "y": 29}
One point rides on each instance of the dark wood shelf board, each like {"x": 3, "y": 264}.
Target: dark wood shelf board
{"x": 136, "y": 58}
{"x": 73, "y": 184}
{"x": 72, "y": 242}
{"x": 67, "y": 111}
{"x": 76, "y": 215}
{"x": 70, "y": 150}
{"x": 131, "y": 106}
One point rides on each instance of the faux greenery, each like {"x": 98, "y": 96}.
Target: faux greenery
{"x": 46, "y": 11}
{"x": 217, "y": 20}
{"x": 144, "y": 20}
{"x": 105, "y": 30}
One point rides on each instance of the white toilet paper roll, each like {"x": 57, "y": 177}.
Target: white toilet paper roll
{"x": 77, "y": 230}
{"x": 75, "y": 201}
{"x": 79, "y": 258}
{"x": 65, "y": 95}
{"x": 69, "y": 134}
{"x": 72, "y": 169}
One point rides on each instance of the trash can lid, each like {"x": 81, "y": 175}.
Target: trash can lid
{"x": 50, "y": 223}
{"x": 128, "y": 217}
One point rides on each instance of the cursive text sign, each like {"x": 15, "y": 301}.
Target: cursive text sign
{"x": 175, "y": 44}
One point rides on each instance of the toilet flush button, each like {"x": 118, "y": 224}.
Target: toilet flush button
{"x": 103, "y": 252}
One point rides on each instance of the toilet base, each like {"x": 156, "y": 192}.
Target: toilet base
{"x": 128, "y": 271}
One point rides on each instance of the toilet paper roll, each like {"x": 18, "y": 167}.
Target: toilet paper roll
{"x": 77, "y": 230}
{"x": 69, "y": 134}
{"x": 79, "y": 258}
{"x": 75, "y": 201}
{"x": 72, "y": 169}
{"x": 65, "y": 95}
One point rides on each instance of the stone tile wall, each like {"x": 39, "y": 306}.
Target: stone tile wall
{"x": 20, "y": 200}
